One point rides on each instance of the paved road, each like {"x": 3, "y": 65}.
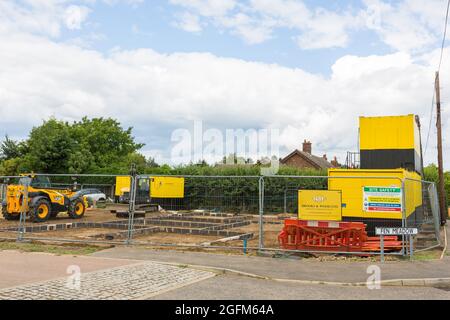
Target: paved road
{"x": 243, "y": 288}
{"x": 43, "y": 276}
{"x": 340, "y": 271}
{"x": 17, "y": 268}
{"x": 137, "y": 281}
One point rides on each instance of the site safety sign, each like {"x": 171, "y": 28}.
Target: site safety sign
{"x": 382, "y": 199}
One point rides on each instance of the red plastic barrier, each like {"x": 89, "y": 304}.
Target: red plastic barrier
{"x": 331, "y": 236}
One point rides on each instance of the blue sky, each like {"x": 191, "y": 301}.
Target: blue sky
{"x": 151, "y": 24}
{"x": 307, "y": 68}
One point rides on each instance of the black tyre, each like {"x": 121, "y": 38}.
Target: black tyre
{"x": 9, "y": 216}
{"x": 41, "y": 210}
{"x": 77, "y": 208}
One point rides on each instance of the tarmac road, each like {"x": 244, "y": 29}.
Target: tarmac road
{"x": 27, "y": 269}
{"x": 229, "y": 287}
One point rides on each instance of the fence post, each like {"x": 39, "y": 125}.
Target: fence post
{"x": 411, "y": 247}
{"x": 23, "y": 213}
{"x": 131, "y": 209}
{"x": 404, "y": 223}
{"x": 261, "y": 213}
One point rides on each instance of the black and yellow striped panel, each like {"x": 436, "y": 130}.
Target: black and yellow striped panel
{"x": 407, "y": 159}
{"x": 390, "y": 142}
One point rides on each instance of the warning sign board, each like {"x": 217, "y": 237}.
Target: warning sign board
{"x": 382, "y": 199}
{"x": 320, "y": 205}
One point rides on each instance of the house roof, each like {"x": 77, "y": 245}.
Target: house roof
{"x": 314, "y": 160}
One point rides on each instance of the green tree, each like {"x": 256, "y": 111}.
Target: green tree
{"x": 430, "y": 173}
{"x": 51, "y": 147}
{"x": 9, "y": 149}
{"x": 104, "y": 143}
{"x": 10, "y": 167}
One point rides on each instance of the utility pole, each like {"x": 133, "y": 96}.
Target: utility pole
{"x": 441, "y": 188}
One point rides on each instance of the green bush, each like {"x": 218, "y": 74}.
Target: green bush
{"x": 431, "y": 174}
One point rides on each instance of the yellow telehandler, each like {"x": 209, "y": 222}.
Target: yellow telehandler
{"x": 44, "y": 201}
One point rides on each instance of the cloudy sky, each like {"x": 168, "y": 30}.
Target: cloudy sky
{"x": 308, "y": 68}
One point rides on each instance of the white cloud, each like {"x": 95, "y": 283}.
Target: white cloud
{"x": 41, "y": 17}
{"x": 256, "y": 20}
{"x": 207, "y": 8}
{"x": 74, "y": 16}
{"x": 188, "y": 22}
{"x": 406, "y": 25}
{"x": 327, "y": 29}
{"x": 157, "y": 93}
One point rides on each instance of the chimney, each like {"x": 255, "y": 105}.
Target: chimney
{"x": 334, "y": 162}
{"x": 307, "y": 146}
{"x": 325, "y": 157}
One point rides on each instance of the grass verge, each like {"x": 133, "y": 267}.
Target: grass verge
{"x": 58, "y": 249}
{"x": 427, "y": 255}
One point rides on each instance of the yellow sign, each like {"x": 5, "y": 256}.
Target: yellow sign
{"x": 320, "y": 205}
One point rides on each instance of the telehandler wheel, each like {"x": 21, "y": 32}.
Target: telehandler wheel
{"x": 41, "y": 210}
{"x": 9, "y": 216}
{"x": 77, "y": 209}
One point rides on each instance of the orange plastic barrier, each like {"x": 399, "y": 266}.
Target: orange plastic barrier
{"x": 332, "y": 236}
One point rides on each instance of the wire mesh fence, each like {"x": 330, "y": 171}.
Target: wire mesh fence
{"x": 58, "y": 207}
{"x": 206, "y": 211}
{"x": 232, "y": 212}
{"x": 426, "y": 215}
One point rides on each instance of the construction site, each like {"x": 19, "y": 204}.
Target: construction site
{"x": 339, "y": 214}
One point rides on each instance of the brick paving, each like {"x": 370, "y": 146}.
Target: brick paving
{"x": 138, "y": 281}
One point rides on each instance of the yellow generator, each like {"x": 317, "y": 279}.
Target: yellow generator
{"x": 165, "y": 191}
{"x": 44, "y": 202}
{"x": 122, "y": 189}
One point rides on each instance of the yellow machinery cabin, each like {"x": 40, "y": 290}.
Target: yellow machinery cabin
{"x": 149, "y": 188}
{"x": 390, "y": 142}
{"x": 378, "y": 201}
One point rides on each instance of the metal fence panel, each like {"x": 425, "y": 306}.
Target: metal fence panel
{"x": 281, "y": 201}
{"x": 214, "y": 211}
{"x": 60, "y": 194}
{"x": 223, "y": 212}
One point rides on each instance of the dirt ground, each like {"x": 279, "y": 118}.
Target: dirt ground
{"x": 91, "y": 215}
{"x": 104, "y": 215}
{"x": 78, "y": 234}
{"x": 271, "y": 232}
{"x": 174, "y": 238}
